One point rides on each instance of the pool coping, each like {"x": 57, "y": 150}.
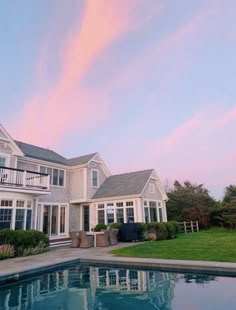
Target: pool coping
{"x": 90, "y": 257}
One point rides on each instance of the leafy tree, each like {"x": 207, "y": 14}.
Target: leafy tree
{"x": 189, "y": 202}
{"x": 230, "y": 194}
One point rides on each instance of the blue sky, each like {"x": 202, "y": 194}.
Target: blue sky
{"x": 147, "y": 84}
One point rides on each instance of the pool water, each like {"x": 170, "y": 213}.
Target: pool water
{"x": 90, "y": 287}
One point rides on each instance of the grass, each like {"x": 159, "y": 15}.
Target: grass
{"x": 210, "y": 245}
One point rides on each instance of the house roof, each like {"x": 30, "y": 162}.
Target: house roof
{"x": 41, "y": 153}
{"x": 125, "y": 184}
{"x": 81, "y": 160}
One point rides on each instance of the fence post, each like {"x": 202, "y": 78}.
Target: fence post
{"x": 192, "y": 226}
{"x": 185, "y": 230}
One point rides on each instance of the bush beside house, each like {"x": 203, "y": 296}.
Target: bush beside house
{"x": 22, "y": 243}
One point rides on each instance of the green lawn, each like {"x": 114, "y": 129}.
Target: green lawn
{"x": 210, "y": 245}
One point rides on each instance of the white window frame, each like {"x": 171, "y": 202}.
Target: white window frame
{"x": 107, "y": 205}
{"x": 14, "y": 208}
{"x": 59, "y": 205}
{"x": 94, "y": 170}
{"x": 7, "y": 157}
{"x": 159, "y": 205}
{"x": 51, "y": 181}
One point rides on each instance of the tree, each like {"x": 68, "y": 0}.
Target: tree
{"x": 189, "y": 202}
{"x": 230, "y": 194}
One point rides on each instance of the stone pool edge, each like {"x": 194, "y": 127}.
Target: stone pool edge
{"x": 181, "y": 266}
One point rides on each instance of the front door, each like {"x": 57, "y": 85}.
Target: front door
{"x": 86, "y": 218}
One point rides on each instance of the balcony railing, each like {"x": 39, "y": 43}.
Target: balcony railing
{"x": 23, "y": 178}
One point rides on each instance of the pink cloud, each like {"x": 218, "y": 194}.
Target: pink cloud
{"x": 66, "y": 105}
{"x": 227, "y": 117}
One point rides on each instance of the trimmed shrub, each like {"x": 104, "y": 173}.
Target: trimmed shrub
{"x": 171, "y": 229}
{"x": 115, "y": 226}
{"x": 161, "y": 231}
{"x": 100, "y": 227}
{"x": 24, "y": 239}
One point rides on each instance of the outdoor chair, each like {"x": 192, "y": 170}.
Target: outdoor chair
{"x": 86, "y": 241}
{"x": 75, "y": 239}
{"x": 113, "y": 236}
{"x": 103, "y": 239}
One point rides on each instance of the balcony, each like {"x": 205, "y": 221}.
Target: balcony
{"x": 23, "y": 180}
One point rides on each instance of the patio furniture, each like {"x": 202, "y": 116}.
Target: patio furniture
{"x": 75, "y": 239}
{"x": 130, "y": 232}
{"x": 103, "y": 239}
{"x": 86, "y": 241}
{"x": 113, "y": 236}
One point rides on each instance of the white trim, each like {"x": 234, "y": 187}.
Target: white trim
{"x": 103, "y": 166}
{"x": 91, "y": 180}
{"x": 64, "y": 179}
{"x": 115, "y": 198}
{"x": 59, "y": 205}
{"x": 15, "y": 149}
{"x": 154, "y": 176}
{"x": 26, "y": 191}
{"x": 85, "y": 183}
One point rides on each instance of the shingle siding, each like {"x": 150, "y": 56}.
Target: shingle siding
{"x": 156, "y": 195}
{"x": 101, "y": 178}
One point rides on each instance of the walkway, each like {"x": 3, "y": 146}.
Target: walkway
{"x": 16, "y": 268}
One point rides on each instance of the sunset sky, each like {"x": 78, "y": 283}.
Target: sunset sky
{"x": 146, "y": 83}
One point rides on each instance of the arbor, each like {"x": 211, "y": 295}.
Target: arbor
{"x": 189, "y": 202}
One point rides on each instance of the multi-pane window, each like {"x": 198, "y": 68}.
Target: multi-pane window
{"x": 94, "y": 178}
{"x": 120, "y": 216}
{"x": 153, "y": 211}
{"x": 110, "y": 216}
{"x": 5, "y": 218}
{"x": 119, "y": 204}
{"x": 28, "y": 219}
{"x": 56, "y": 175}
{"x": 6, "y": 203}
{"x": 62, "y": 220}
{"x": 20, "y": 203}
{"x": 20, "y": 218}
{"x": 101, "y": 217}
{"x": 129, "y": 203}
{"x": 130, "y": 215}
{"x": 2, "y": 161}
{"x": 160, "y": 215}
{"x": 146, "y": 214}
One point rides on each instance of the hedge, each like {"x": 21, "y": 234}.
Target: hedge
{"x": 160, "y": 231}
{"x": 25, "y": 242}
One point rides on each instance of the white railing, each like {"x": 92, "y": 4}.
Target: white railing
{"x": 23, "y": 178}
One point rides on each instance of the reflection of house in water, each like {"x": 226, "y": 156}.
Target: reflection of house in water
{"x": 92, "y": 288}
{"x": 150, "y": 288}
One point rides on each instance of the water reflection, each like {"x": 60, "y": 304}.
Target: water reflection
{"x": 85, "y": 287}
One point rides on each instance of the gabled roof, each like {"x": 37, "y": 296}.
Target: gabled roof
{"x": 41, "y": 153}
{"x": 81, "y": 160}
{"x": 125, "y": 184}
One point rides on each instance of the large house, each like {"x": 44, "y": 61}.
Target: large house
{"x": 40, "y": 189}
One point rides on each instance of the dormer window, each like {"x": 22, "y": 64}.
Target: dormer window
{"x": 94, "y": 178}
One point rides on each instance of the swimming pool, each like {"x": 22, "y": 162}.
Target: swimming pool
{"x": 93, "y": 287}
